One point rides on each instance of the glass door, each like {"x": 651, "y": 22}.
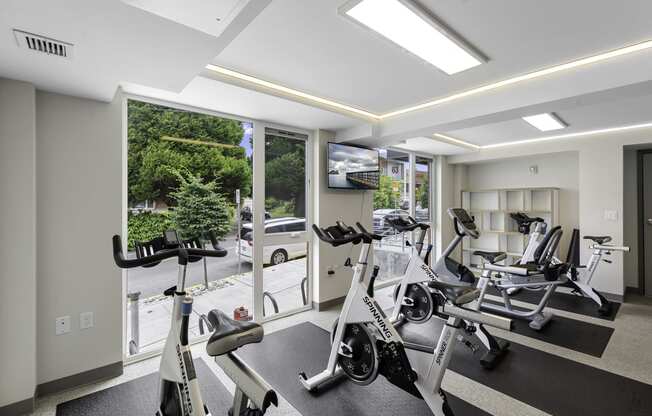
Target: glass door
{"x": 284, "y": 251}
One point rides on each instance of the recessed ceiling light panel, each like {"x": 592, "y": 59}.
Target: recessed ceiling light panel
{"x": 546, "y": 122}
{"x": 405, "y": 24}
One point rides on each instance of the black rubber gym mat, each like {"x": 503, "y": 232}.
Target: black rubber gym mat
{"x": 569, "y": 333}
{"x": 140, "y": 397}
{"x": 565, "y": 302}
{"x": 553, "y": 384}
{"x": 305, "y": 347}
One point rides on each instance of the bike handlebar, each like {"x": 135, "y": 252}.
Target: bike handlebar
{"x": 407, "y": 223}
{"x": 181, "y": 252}
{"x": 364, "y": 231}
{"x": 338, "y": 235}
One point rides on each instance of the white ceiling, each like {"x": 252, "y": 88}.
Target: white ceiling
{"x": 113, "y": 42}
{"x": 607, "y": 114}
{"x": 429, "y": 146}
{"x": 306, "y": 45}
{"x": 225, "y": 98}
{"x": 209, "y": 16}
{"x": 160, "y": 48}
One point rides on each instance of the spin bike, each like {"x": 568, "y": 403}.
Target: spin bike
{"x": 365, "y": 342}
{"x": 579, "y": 276}
{"x": 180, "y": 393}
{"x": 540, "y": 274}
{"x": 413, "y": 298}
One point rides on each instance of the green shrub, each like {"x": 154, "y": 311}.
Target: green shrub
{"x": 200, "y": 208}
{"x": 147, "y": 225}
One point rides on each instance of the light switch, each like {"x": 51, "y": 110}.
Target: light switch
{"x": 611, "y": 215}
{"x": 86, "y": 320}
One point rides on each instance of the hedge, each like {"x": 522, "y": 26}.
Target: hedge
{"x": 147, "y": 225}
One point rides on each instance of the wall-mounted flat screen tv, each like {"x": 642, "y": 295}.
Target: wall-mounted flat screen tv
{"x": 352, "y": 167}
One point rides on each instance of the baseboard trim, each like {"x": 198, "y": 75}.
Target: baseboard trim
{"x": 322, "y": 306}
{"x": 19, "y": 408}
{"x": 613, "y": 297}
{"x": 629, "y": 290}
{"x": 76, "y": 380}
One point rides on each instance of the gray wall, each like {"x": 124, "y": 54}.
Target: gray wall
{"x": 559, "y": 170}
{"x": 630, "y": 216}
{"x": 79, "y": 187}
{"x": 17, "y": 242}
{"x": 601, "y": 176}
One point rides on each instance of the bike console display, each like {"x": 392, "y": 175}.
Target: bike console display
{"x": 464, "y": 223}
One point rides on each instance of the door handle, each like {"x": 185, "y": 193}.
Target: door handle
{"x": 649, "y": 221}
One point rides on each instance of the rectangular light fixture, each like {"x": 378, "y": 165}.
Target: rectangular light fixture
{"x": 546, "y": 122}
{"x": 405, "y": 24}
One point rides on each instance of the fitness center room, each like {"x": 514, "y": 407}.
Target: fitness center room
{"x": 326, "y": 207}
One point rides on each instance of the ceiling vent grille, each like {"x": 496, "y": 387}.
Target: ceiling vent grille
{"x": 43, "y": 44}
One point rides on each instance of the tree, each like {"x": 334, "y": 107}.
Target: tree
{"x": 385, "y": 196}
{"x": 153, "y": 162}
{"x": 199, "y": 208}
{"x": 285, "y": 173}
{"x": 422, "y": 194}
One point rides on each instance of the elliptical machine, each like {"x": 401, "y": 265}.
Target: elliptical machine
{"x": 414, "y": 299}
{"x": 180, "y": 394}
{"x": 365, "y": 342}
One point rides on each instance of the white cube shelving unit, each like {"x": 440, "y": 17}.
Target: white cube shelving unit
{"x": 498, "y": 231}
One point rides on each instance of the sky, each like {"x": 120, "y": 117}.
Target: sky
{"x": 351, "y": 159}
{"x": 246, "y": 142}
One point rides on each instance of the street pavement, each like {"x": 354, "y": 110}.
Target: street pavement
{"x": 154, "y": 280}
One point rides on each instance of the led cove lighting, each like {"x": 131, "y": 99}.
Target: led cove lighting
{"x": 289, "y": 91}
{"x": 570, "y": 135}
{"x": 458, "y": 142}
{"x": 402, "y": 23}
{"x": 526, "y": 77}
{"x": 485, "y": 88}
{"x": 462, "y": 143}
{"x": 545, "y": 122}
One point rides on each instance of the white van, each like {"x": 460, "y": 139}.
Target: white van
{"x": 274, "y": 254}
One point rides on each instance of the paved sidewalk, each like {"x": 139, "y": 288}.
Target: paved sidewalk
{"x": 283, "y": 282}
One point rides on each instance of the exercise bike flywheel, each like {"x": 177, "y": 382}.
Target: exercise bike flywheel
{"x": 422, "y": 306}
{"x": 359, "y": 358}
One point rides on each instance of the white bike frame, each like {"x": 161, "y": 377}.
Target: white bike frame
{"x": 360, "y": 308}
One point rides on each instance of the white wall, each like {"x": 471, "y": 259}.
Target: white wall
{"x": 17, "y": 242}
{"x": 447, "y": 182}
{"x": 559, "y": 170}
{"x": 79, "y": 208}
{"x": 600, "y": 183}
{"x": 630, "y": 216}
{"x": 332, "y": 205}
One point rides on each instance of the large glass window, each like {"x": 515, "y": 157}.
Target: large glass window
{"x": 392, "y": 199}
{"x": 184, "y": 169}
{"x": 398, "y": 196}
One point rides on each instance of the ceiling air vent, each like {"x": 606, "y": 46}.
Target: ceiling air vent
{"x": 43, "y": 44}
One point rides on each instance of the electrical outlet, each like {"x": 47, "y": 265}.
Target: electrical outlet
{"x": 86, "y": 320}
{"x": 62, "y": 325}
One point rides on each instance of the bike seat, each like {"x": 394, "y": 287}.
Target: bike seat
{"x": 457, "y": 294}
{"x": 229, "y": 334}
{"x": 491, "y": 256}
{"x": 599, "y": 240}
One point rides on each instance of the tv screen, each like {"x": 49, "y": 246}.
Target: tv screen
{"x": 351, "y": 167}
